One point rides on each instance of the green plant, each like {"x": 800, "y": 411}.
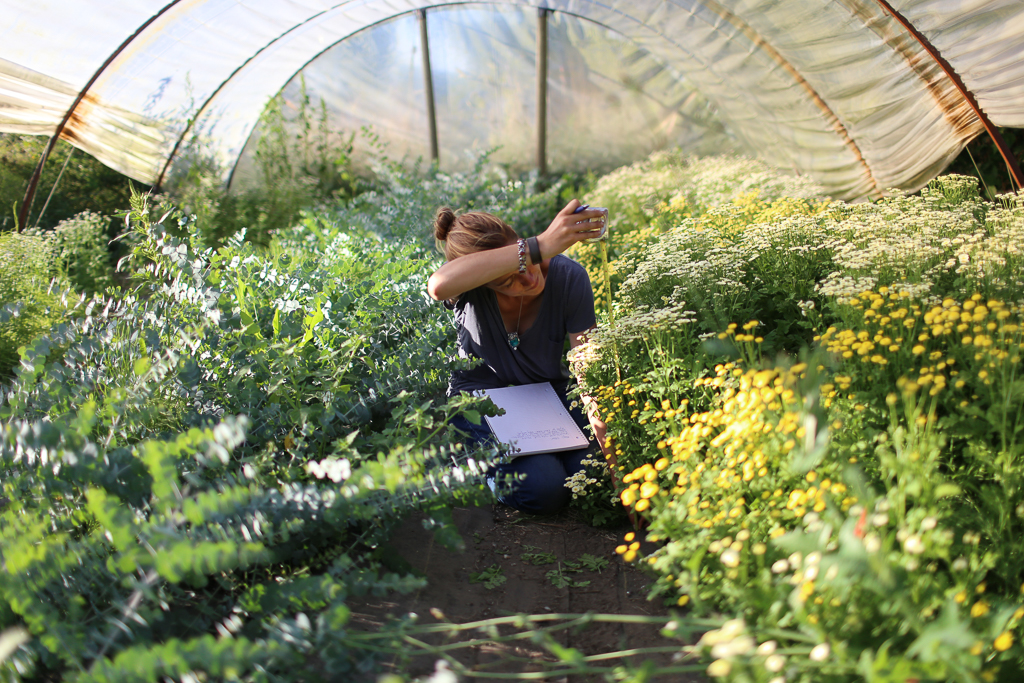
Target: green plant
{"x": 84, "y": 183}
{"x": 532, "y": 556}
{"x": 29, "y": 296}
{"x": 560, "y": 578}
{"x": 298, "y": 164}
{"x": 492, "y": 577}
{"x": 175, "y": 518}
{"x": 592, "y": 563}
{"x": 81, "y": 246}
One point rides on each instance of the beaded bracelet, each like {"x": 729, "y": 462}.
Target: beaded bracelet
{"x": 534, "y": 246}
{"x": 522, "y": 255}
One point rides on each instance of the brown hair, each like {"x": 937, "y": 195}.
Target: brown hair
{"x": 458, "y": 235}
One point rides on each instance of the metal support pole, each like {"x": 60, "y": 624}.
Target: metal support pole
{"x": 30, "y": 192}
{"x": 428, "y": 83}
{"x": 542, "y": 90}
{"x": 933, "y": 52}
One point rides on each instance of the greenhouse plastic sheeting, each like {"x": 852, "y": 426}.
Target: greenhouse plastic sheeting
{"x": 838, "y": 90}
{"x": 609, "y": 102}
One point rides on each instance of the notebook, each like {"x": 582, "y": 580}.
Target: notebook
{"x": 535, "y": 421}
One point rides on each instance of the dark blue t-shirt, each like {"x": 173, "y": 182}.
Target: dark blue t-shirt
{"x": 567, "y": 305}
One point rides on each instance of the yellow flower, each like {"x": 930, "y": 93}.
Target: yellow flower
{"x": 917, "y": 350}
{"x": 977, "y": 648}
{"x": 642, "y": 505}
{"x": 1003, "y": 642}
{"x": 979, "y": 609}
{"x": 960, "y": 597}
{"x": 683, "y": 599}
{"x": 648, "y": 489}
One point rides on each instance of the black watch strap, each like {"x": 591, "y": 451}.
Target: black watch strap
{"x": 534, "y": 246}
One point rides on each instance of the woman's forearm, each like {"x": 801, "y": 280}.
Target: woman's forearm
{"x": 472, "y": 270}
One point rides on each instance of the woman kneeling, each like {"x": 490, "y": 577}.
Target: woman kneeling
{"x": 515, "y": 302}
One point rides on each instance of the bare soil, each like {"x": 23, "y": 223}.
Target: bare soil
{"x": 499, "y": 536}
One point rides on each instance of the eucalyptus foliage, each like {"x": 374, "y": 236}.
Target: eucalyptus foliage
{"x": 197, "y": 471}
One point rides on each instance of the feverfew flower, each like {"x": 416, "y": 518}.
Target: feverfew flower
{"x": 820, "y": 652}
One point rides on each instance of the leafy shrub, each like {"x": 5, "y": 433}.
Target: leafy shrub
{"x": 28, "y": 306}
{"x": 298, "y": 163}
{"x": 406, "y": 200}
{"x": 145, "y": 513}
{"x": 85, "y": 184}
{"x": 38, "y": 268}
{"x": 80, "y": 245}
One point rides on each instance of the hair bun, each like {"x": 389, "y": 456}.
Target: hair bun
{"x": 444, "y": 219}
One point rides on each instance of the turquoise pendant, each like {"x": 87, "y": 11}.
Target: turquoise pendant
{"x": 513, "y": 340}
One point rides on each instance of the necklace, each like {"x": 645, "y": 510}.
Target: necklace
{"x": 513, "y": 337}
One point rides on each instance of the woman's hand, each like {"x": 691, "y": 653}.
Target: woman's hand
{"x": 567, "y": 229}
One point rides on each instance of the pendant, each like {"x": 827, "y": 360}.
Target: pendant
{"x": 513, "y": 340}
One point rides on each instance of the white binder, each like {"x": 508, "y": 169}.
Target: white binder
{"x": 535, "y": 421}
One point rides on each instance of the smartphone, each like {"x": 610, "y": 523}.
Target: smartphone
{"x": 603, "y": 220}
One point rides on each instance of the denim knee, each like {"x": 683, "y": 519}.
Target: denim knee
{"x": 533, "y": 483}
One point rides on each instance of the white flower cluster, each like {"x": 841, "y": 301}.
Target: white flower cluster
{"x": 908, "y": 242}
{"x": 731, "y": 642}
{"x": 673, "y": 178}
{"x": 946, "y": 232}
{"x": 335, "y": 469}
{"x": 721, "y": 179}
{"x": 921, "y": 245}
{"x": 578, "y": 482}
{"x": 700, "y": 261}
{"x": 643, "y": 321}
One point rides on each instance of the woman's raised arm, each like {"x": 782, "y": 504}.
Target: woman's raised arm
{"x": 473, "y": 270}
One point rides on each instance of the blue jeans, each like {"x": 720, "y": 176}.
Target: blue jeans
{"x": 533, "y": 483}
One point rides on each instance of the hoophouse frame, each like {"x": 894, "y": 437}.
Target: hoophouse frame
{"x": 959, "y": 54}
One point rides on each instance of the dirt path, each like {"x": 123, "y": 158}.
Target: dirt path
{"x": 498, "y": 538}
